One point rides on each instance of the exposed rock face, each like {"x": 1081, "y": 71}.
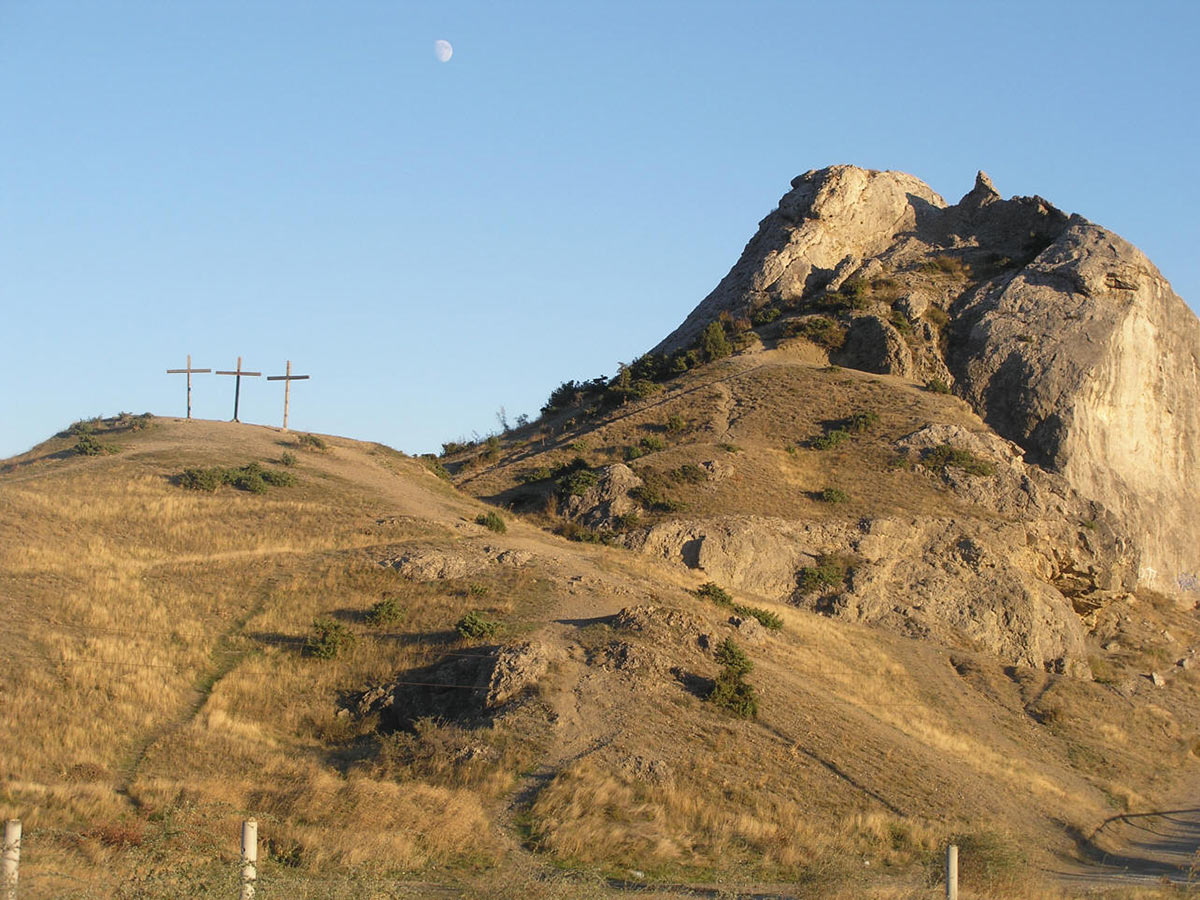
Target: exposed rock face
{"x": 1061, "y": 335}
{"x": 1089, "y": 361}
{"x": 829, "y": 215}
{"x": 606, "y": 500}
{"x": 1013, "y": 579}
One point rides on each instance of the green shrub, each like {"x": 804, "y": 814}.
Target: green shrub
{"x": 632, "y": 453}
{"x": 434, "y": 465}
{"x": 861, "y": 422}
{"x": 311, "y": 442}
{"x": 828, "y": 571}
{"x": 729, "y": 448}
{"x": 766, "y": 618}
{"x": 765, "y": 316}
{"x": 386, "y": 612}
{"x": 710, "y": 590}
{"x": 202, "y": 479}
{"x": 822, "y": 331}
{"x": 576, "y": 481}
{"x": 89, "y": 446}
{"x": 252, "y": 477}
{"x": 714, "y": 343}
{"x": 287, "y": 458}
{"x": 574, "y": 531}
{"x": 652, "y": 495}
{"x": 831, "y": 439}
{"x": 83, "y": 427}
{"x": 939, "y": 458}
{"x": 134, "y": 423}
{"x": 734, "y": 695}
{"x": 652, "y": 444}
{"x": 937, "y": 386}
{"x": 492, "y": 521}
{"x": 946, "y": 265}
{"x": 532, "y": 476}
{"x": 329, "y": 639}
{"x": 731, "y": 656}
{"x": 834, "y": 495}
{"x": 690, "y": 474}
{"x": 476, "y": 626}
{"x": 675, "y": 424}
{"x": 990, "y": 862}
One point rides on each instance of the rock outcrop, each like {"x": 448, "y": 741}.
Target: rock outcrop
{"x": 1063, "y": 337}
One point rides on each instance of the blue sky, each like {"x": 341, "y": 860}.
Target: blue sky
{"x": 434, "y": 241}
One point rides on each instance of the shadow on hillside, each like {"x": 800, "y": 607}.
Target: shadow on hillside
{"x": 1162, "y": 844}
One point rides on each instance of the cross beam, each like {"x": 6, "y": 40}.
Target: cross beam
{"x": 287, "y": 380}
{"x": 237, "y": 390}
{"x": 189, "y": 370}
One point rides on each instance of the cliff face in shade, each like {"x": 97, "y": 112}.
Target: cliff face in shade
{"x": 1062, "y": 336}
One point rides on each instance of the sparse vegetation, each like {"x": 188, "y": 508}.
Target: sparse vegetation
{"x": 434, "y": 465}
{"x": 252, "y": 477}
{"x": 287, "y": 458}
{"x": 944, "y": 456}
{"x": 475, "y": 626}
{"x": 311, "y": 442}
{"x": 329, "y": 639}
{"x": 820, "y": 330}
{"x": 834, "y": 495}
{"x": 718, "y": 595}
{"x": 675, "y": 424}
{"x": 830, "y": 570}
{"x": 937, "y": 386}
{"x": 492, "y": 521}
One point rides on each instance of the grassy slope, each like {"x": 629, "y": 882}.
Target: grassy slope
{"x": 152, "y": 674}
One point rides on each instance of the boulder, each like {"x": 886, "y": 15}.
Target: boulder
{"x": 874, "y": 345}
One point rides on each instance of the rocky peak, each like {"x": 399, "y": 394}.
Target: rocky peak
{"x": 1061, "y": 335}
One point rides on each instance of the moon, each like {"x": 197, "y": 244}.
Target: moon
{"x": 442, "y": 50}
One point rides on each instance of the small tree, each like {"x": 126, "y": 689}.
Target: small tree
{"x": 714, "y": 343}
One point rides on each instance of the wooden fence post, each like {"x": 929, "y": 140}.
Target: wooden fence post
{"x": 952, "y": 872}
{"x": 249, "y": 858}
{"x": 12, "y": 857}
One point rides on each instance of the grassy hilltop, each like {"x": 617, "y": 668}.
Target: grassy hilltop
{"x": 407, "y": 693}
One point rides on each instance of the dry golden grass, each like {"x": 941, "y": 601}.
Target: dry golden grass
{"x": 151, "y": 667}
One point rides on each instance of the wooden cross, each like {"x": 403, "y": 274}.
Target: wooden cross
{"x": 189, "y": 370}
{"x": 237, "y": 390}
{"x": 287, "y": 387}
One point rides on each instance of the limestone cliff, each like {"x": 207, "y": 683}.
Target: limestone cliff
{"x": 1061, "y": 335}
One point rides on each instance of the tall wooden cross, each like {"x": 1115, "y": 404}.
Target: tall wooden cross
{"x": 287, "y": 387}
{"x": 237, "y": 390}
{"x": 189, "y": 370}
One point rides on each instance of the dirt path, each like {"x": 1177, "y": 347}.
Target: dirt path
{"x": 1144, "y": 849}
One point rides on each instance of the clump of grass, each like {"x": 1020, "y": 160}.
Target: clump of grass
{"x": 830, "y": 570}
{"x": 311, "y": 442}
{"x": 492, "y": 521}
{"x": 574, "y": 531}
{"x": 475, "y": 626}
{"x": 329, "y": 639}
{"x": 937, "y": 386}
{"x": 946, "y": 265}
{"x": 675, "y": 424}
{"x": 943, "y": 456}
{"x": 82, "y": 427}
{"x": 287, "y": 458}
{"x": 387, "y": 611}
{"x": 989, "y": 862}
{"x": 710, "y": 590}
{"x": 730, "y": 691}
{"x": 834, "y": 495}
{"x": 729, "y": 448}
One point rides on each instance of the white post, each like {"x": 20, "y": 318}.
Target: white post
{"x": 249, "y": 857}
{"x": 12, "y": 857}
{"x": 952, "y": 872}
